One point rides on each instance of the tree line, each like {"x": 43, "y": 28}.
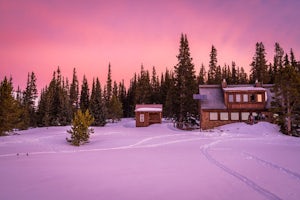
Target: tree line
{"x": 174, "y": 88}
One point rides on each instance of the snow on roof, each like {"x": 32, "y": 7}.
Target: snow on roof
{"x": 148, "y": 110}
{"x": 244, "y": 89}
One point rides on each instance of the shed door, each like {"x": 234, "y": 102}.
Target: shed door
{"x": 142, "y": 117}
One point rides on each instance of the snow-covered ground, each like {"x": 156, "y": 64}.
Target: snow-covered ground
{"x": 236, "y": 161}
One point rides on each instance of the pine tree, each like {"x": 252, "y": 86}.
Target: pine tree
{"x": 97, "y": 106}
{"x": 143, "y": 89}
{"x": 29, "y": 98}
{"x": 108, "y": 92}
{"x": 259, "y": 67}
{"x": 155, "y": 87}
{"x": 116, "y": 111}
{"x": 80, "y": 132}
{"x": 131, "y": 97}
{"x": 287, "y": 98}
{"x": 10, "y": 113}
{"x": 185, "y": 82}
{"x": 277, "y": 62}
{"x": 74, "y": 92}
{"x": 234, "y": 74}
{"x": 122, "y": 97}
{"x": 84, "y": 95}
{"x": 43, "y": 111}
{"x": 201, "y": 79}
{"x": 213, "y": 75}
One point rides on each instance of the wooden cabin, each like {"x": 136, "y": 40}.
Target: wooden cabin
{"x": 223, "y": 104}
{"x": 147, "y": 114}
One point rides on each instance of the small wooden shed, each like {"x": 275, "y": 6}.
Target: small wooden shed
{"x": 146, "y": 114}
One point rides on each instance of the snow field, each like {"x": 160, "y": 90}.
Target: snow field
{"x": 236, "y": 161}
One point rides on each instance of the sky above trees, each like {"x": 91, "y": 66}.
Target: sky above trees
{"x": 39, "y": 35}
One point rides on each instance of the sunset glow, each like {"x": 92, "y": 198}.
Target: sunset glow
{"x": 39, "y": 35}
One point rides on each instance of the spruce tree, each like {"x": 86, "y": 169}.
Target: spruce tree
{"x": 185, "y": 82}
{"x": 259, "y": 67}
{"x": 116, "y": 110}
{"x": 84, "y": 95}
{"x": 143, "y": 89}
{"x": 97, "y": 106}
{"x": 74, "y": 92}
{"x": 80, "y": 132}
{"x": 29, "y": 98}
{"x": 287, "y": 98}
{"x": 10, "y": 113}
{"x": 201, "y": 79}
{"x": 213, "y": 72}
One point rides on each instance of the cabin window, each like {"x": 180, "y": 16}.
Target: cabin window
{"x": 142, "y": 117}
{"x": 252, "y": 98}
{"x": 259, "y": 98}
{"x": 224, "y": 116}
{"x": 213, "y": 116}
{"x": 245, "y": 116}
{"x": 230, "y": 98}
{"x": 234, "y": 116}
{"x": 238, "y": 98}
{"x": 245, "y": 98}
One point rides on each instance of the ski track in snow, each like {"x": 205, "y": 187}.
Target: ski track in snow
{"x": 274, "y": 166}
{"x": 244, "y": 179}
{"x": 138, "y": 144}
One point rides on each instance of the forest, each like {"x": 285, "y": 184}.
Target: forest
{"x": 57, "y": 102}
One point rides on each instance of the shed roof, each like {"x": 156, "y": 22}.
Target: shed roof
{"x": 148, "y": 108}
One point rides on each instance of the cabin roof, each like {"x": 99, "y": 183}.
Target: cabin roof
{"x": 215, "y": 94}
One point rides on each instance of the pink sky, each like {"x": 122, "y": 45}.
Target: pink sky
{"x": 39, "y": 35}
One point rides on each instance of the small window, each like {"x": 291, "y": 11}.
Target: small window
{"x": 142, "y": 117}
{"x": 245, "y": 98}
{"x": 252, "y": 98}
{"x": 259, "y": 98}
{"x": 245, "y": 116}
{"x": 230, "y": 98}
{"x": 234, "y": 116}
{"x": 238, "y": 98}
{"x": 224, "y": 116}
{"x": 213, "y": 116}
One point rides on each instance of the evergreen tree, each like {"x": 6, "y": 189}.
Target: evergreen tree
{"x": 80, "y": 132}
{"x": 29, "y": 98}
{"x": 122, "y": 97}
{"x": 43, "y": 111}
{"x": 185, "y": 82}
{"x": 130, "y": 97}
{"x": 155, "y": 87}
{"x": 234, "y": 74}
{"x": 293, "y": 60}
{"x": 170, "y": 95}
{"x": 84, "y": 95}
{"x": 116, "y": 111}
{"x": 213, "y": 75}
{"x": 287, "y": 98}
{"x": 259, "y": 67}
{"x": 97, "y": 106}
{"x": 10, "y": 113}
{"x": 108, "y": 91}
{"x": 201, "y": 79}
{"x": 243, "y": 77}
{"x": 143, "y": 89}
{"x": 278, "y": 62}
{"x": 74, "y": 92}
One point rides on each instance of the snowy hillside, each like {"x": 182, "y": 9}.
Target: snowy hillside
{"x": 236, "y": 161}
